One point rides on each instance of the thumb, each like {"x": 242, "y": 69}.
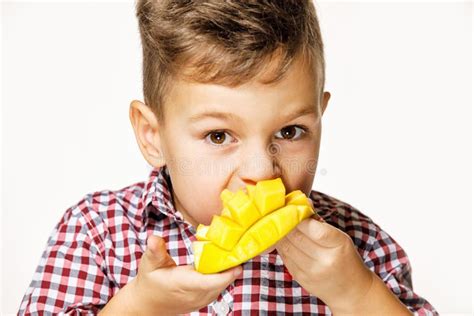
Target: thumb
{"x": 156, "y": 256}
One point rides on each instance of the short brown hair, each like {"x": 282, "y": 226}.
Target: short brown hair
{"x": 227, "y": 42}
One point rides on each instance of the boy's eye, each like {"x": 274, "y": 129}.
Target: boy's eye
{"x": 289, "y": 132}
{"x": 218, "y": 138}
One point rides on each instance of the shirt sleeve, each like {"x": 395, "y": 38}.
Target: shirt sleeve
{"x": 390, "y": 262}
{"x": 71, "y": 276}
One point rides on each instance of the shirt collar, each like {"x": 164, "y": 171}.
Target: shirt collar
{"x": 157, "y": 196}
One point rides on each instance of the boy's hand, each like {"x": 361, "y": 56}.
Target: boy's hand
{"x": 324, "y": 261}
{"x": 162, "y": 288}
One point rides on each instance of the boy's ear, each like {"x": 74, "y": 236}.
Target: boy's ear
{"x": 146, "y": 128}
{"x": 325, "y": 101}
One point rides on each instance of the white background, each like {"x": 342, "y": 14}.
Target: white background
{"x": 396, "y": 144}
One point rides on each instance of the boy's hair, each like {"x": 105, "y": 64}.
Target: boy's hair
{"x": 227, "y": 42}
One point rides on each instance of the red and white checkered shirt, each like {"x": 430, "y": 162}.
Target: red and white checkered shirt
{"x": 96, "y": 247}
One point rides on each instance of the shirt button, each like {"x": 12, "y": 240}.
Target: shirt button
{"x": 221, "y": 308}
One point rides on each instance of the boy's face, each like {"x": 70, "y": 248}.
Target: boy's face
{"x": 217, "y": 138}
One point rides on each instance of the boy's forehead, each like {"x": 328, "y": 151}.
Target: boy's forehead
{"x": 296, "y": 91}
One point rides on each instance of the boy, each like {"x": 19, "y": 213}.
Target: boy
{"x": 234, "y": 94}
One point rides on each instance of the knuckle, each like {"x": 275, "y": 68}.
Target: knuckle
{"x": 346, "y": 241}
{"x": 189, "y": 286}
{"x": 297, "y": 236}
{"x": 203, "y": 287}
{"x": 322, "y": 234}
{"x": 184, "y": 295}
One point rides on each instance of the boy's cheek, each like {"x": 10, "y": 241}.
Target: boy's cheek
{"x": 197, "y": 200}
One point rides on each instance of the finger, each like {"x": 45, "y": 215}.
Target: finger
{"x": 294, "y": 259}
{"x": 316, "y": 216}
{"x": 290, "y": 251}
{"x": 197, "y": 280}
{"x": 322, "y": 256}
{"x": 322, "y": 233}
{"x": 156, "y": 256}
{"x": 305, "y": 244}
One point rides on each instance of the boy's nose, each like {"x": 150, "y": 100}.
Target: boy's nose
{"x": 260, "y": 163}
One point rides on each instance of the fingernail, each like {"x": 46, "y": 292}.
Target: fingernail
{"x": 318, "y": 218}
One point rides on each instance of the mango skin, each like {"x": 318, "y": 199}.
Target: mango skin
{"x": 250, "y": 225}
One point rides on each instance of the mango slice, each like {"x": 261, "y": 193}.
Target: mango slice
{"x": 224, "y": 232}
{"x": 296, "y": 198}
{"x": 251, "y": 191}
{"x": 248, "y": 225}
{"x": 269, "y": 195}
{"x": 201, "y": 232}
{"x": 242, "y": 209}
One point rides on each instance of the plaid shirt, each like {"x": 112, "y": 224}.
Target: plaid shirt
{"x": 95, "y": 250}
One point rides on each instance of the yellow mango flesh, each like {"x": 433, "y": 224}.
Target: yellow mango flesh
{"x": 248, "y": 225}
{"x": 226, "y": 195}
{"x": 250, "y": 191}
{"x": 242, "y": 209}
{"x": 269, "y": 195}
{"x": 201, "y": 232}
{"x": 296, "y": 198}
{"x": 224, "y": 232}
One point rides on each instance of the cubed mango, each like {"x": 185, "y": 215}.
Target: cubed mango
{"x": 248, "y": 225}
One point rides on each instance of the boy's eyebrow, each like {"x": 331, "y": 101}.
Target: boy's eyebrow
{"x": 308, "y": 109}
{"x": 232, "y": 117}
{"x": 214, "y": 114}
